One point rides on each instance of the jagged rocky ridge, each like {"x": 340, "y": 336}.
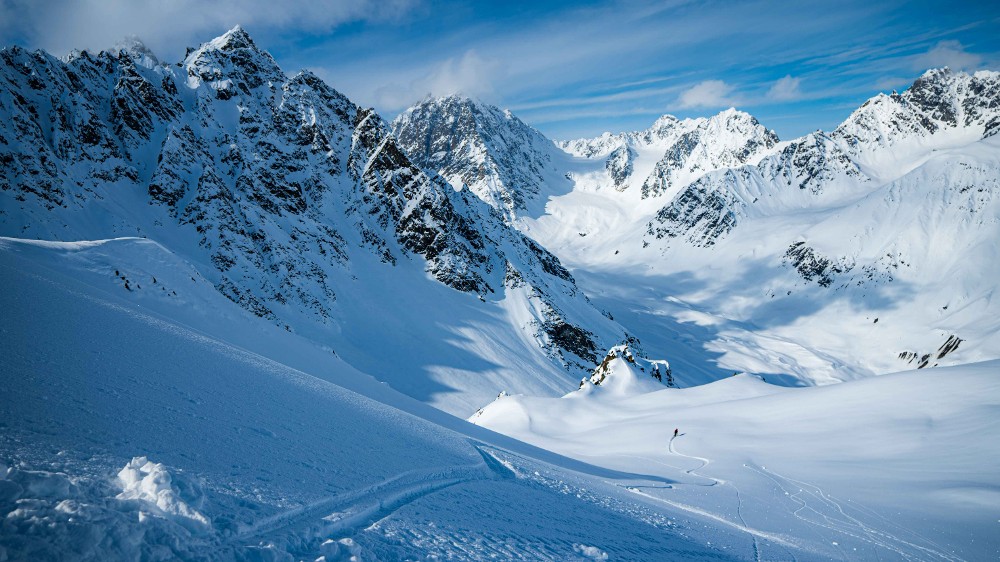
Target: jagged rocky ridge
{"x": 507, "y": 163}
{"x": 279, "y": 188}
{"x": 683, "y": 150}
{"x": 659, "y": 370}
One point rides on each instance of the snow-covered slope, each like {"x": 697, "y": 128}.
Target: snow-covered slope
{"x": 152, "y": 418}
{"x": 901, "y": 467}
{"x": 296, "y": 204}
{"x": 834, "y": 256}
{"x": 507, "y": 163}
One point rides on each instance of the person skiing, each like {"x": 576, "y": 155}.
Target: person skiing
{"x": 675, "y": 433}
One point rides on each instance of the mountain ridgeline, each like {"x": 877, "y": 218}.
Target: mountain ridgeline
{"x": 289, "y": 198}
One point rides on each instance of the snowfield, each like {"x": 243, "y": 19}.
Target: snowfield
{"x": 128, "y": 433}
{"x": 903, "y": 466}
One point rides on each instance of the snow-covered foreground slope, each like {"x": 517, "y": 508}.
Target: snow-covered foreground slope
{"x": 156, "y": 419}
{"x": 903, "y": 466}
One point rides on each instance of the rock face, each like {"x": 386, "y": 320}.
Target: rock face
{"x": 281, "y": 189}
{"x": 508, "y": 164}
{"x": 624, "y": 371}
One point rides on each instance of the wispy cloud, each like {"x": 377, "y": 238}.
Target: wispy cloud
{"x": 785, "y": 89}
{"x": 168, "y": 26}
{"x": 709, "y": 93}
{"x": 947, "y": 53}
{"x": 470, "y": 74}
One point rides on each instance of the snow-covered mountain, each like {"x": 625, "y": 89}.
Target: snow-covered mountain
{"x": 507, "y": 163}
{"x": 672, "y": 152}
{"x": 296, "y": 204}
{"x": 837, "y": 255}
{"x": 881, "y": 142}
{"x": 720, "y": 216}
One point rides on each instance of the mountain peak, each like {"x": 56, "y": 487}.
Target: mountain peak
{"x": 233, "y": 56}
{"x": 939, "y": 99}
{"x": 733, "y": 113}
{"x": 235, "y": 38}
{"x": 938, "y": 73}
{"x": 453, "y": 102}
{"x": 663, "y": 123}
{"x": 735, "y": 121}
{"x": 138, "y": 50}
{"x": 505, "y": 162}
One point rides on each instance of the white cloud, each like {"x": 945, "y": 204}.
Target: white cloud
{"x": 947, "y": 53}
{"x": 709, "y": 93}
{"x": 167, "y": 26}
{"x": 785, "y": 89}
{"x": 470, "y": 74}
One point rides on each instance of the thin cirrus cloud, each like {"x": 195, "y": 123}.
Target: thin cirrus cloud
{"x": 707, "y": 94}
{"x": 469, "y": 75}
{"x": 785, "y": 89}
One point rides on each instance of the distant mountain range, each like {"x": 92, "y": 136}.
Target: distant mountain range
{"x": 832, "y": 256}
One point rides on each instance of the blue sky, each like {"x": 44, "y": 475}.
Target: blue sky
{"x": 569, "y": 68}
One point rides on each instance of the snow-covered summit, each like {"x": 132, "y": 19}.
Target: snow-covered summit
{"x": 505, "y": 162}
{"x": 137, "y": 51}
{"x": 231, "y": 59}
{"x": 889, "y": 136}
{"x": 891, "y": 133}
{"x": 940, "y": 99}
{"x": 672, "y": 152}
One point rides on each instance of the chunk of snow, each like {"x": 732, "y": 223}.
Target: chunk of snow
{"x": 591, "y": 552}
{"x": 151, "y": 484}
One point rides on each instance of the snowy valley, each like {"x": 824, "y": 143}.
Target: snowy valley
{"x": 247, "y": 319}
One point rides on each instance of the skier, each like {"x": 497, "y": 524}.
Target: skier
{"x": 675, "y": 433}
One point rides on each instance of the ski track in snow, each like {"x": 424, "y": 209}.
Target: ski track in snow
{"x": 694, "y": 471}
{"x": 835, "y": 519}
{"x": 739, "y": 497}
{"x": 344, "y": 515}
{"x": 347, "y": 512}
